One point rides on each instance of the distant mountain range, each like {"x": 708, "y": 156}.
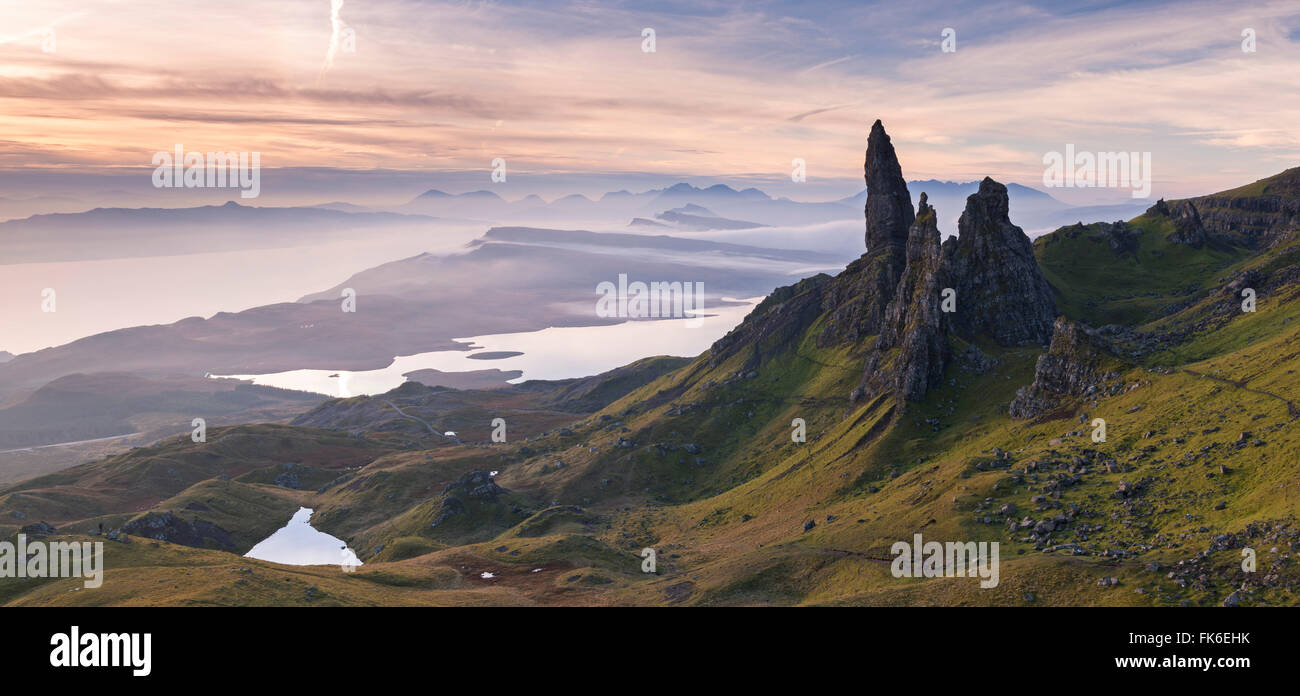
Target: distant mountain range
{"x": 619, "y": 207}
{"x": 679, "y": 206}
{"x": 105, "y": 233}
{"x": 82, "y": 407}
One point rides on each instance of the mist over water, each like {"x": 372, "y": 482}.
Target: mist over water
{"x": 103, "y": 295}
{"x": 553, "y": 353}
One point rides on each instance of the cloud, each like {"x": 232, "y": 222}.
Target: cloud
{"x": 567, "y": 87}
{"x": 827, "y": 64}
{"x": 799, "y": 117}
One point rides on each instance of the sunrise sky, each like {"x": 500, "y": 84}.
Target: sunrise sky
{"x": 734, "y": 89}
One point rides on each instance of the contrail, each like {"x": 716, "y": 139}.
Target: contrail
{"x": 336, "y": 33}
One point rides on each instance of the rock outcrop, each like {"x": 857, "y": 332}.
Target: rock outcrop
{"x": 1073, "y": 367}
{"x": 1121, "y": 238}
{"x": 474, "y": 507}
{"x": 476, "y": 484}
{"x": 889, "y": 204}
{"x": 1001, "y": 292}
{"x": 167, "y": 526}
{"x": 890, "y": 302}
{"x": 1187, "y": 222}
{"x": 858, "y": 301}
{"x": 913, "y": 320}
{"x": 41, "y": 528}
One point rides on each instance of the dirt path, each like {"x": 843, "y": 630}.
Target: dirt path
{"x": 1290, "y": 407}
{"x": 422, "y": 421}
{"x": 33, "y": 448}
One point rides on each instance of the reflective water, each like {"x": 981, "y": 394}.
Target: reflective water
{"x": 554, "y": 353}
{"x": 298, "y": 543}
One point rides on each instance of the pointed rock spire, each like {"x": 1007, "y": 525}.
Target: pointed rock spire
{"x": 913, "y": 321}
{"x": 858, "y": 302}
{"x": 889, "y": 205}
{"x": 1001, "y": 292}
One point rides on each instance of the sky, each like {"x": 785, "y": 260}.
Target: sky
{"x": 733, "y": 90}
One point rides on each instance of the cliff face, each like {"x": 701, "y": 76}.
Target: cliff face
{"x": 855, "y": 301}
{"x": 1256, "y": 216}
{"x": 1001, "y": 293}
{"x": 1257, "y": 223}
{"x": 1188, "y": 228}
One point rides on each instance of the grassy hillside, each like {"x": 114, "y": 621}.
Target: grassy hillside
{"x": 1098, "y": 285}
{"x": 143, "y": 478}
{"x": 728, "y": 522}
